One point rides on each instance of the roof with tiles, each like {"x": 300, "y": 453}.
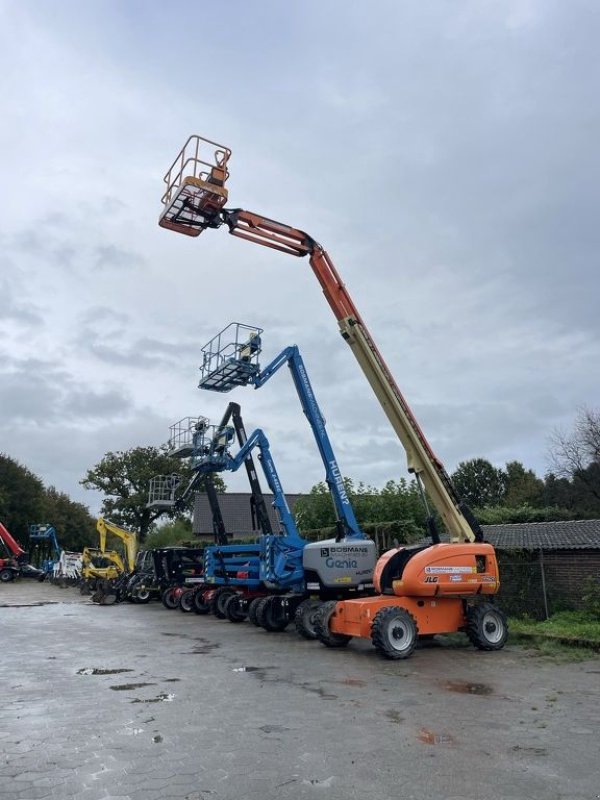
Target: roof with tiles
{"x": 237, "y": 516}
{"x": 582, "y": 534}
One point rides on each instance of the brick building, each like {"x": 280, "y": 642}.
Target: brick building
{"x": 545, "y": 565}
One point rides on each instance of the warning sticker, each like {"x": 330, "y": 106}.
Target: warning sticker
{"x": 449, "y": 570}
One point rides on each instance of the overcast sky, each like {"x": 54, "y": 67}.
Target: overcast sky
{"x": 445, "y": 154}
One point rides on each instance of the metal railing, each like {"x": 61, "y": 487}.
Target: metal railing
{"x": 189, "y": 163}
{"x": 181, "y": 436}
{"x": 231, "y": 357}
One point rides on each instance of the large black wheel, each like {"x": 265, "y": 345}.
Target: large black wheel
{"x": 394, "y": 632}
{"x": 324, "y": 635}
{"x": 234, "y": 608}
{"x": 137, "y": 591}
{"x": 272, "y": 614}
{"x": 304, "y": 618}
{"x": 219, "y": 599}
{"x": 6, "y": 575}
{"x": 186, "y": 601}
{"x": 487, "y": 627}
{"x": 170, "y": 598}
{"x": 253, "y": 610}
{"x": 199, "y": 603}
{"x": 141, "y": 594}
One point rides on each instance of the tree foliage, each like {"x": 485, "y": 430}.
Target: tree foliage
{"x": 479, "y": 483}
{"x": 522, "y": 486}
{"x": 21, "y": 497}
{"x": 124, "y": 478}
{"x": 170, "y": 534}
{"x": 506, "y": 515}
{"x": 24, "y": 500}
{"x": 398, "y": 500}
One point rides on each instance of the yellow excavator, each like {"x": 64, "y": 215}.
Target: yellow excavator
{"x": 105, "y": 572}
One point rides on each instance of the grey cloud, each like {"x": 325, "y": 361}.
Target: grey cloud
{"x": 85, "y": 405}
{"x": 143, "y": 353}
{"x": 19, "y": 310}
{"x": 111, "y": 256}
{"x": 97, "y": 314}
{"x": 41, "y": 393}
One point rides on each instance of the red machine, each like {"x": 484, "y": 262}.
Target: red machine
{"x": 14, "y": 564}
{"x": 10, "y": 563}
{"x": 424, "y": 589}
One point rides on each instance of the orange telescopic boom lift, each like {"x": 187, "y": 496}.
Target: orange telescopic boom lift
{"x": 426, "y": 589}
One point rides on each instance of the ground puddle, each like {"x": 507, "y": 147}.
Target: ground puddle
{"x": 96, "y": 671}
{"x": 465, "y": 687}
{"x": 123, "y": 687}
{"x": 429, "y": 737}
{"x": 160, "y": 698}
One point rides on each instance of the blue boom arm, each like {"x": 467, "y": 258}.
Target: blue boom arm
{"x": 281, "y": 555}
{"x": 347, "y": 524}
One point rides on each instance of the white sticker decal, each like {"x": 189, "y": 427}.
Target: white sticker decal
{"x": 449, "y": 570}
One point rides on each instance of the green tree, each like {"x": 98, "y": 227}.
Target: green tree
{"x": 75, "y": 527}
{"x": 506, "y": 515}
{"x": 21, "y": 498}
{"x": 170, "y": 534}
{"x": 315, "y": 510}
{"x": 398, "y": 500}
{"x": 523, "y": 487}
{"x": 124, "y": 478}
{"x": 558, "y": 492}
{"x": 479, "y": 483}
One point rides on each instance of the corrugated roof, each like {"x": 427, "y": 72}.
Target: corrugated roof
{"x": 581, "y": 534}
{"x": 235, "y": 508}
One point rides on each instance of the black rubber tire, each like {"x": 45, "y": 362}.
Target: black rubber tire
{"x": 6, "y": 575}
{"x": 219, "y": 599}
{"x": 487, "y": 627}
{"x": 234, "y": 610}
{"x": 260, "y": 607}
{"x": 273, "y": 615}
{"x": 324, "y": 635}
{"x": 137, "y": 592}
{"x": 394, "y": 632}
{"x": 200, "y": 606}
{"x": 304, "y": 618}
{"x": 186, "y": 601}
{"x": 253, "y": 610}
{"x": 168, "y": 598}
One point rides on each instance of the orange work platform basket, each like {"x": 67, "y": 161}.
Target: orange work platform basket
{"x": 195, "y": 187}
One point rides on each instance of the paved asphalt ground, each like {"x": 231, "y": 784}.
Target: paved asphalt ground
{"x": 135, "y": 702}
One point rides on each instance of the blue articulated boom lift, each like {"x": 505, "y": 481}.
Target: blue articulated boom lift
{"x": 225, "y": 565}
{"x": 249, "y": 575}
{"x": 333, "y": 569}
{"x": 44, "y": 549}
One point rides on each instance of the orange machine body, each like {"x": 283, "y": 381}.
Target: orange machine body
{"x": 431, "y": 582}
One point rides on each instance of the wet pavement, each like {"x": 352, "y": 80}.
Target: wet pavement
{"x": 136, "y": 702}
